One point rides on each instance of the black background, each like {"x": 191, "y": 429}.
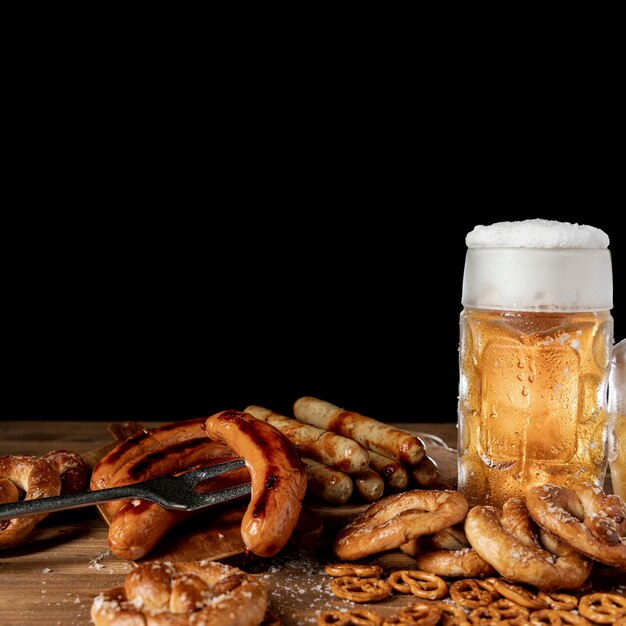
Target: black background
{"x": 185, "y": 232}
{"x": 167, "y": 317}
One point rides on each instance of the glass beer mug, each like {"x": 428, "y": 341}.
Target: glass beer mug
{"x": 617, "y": 413}
{"x": 535, "y": 354}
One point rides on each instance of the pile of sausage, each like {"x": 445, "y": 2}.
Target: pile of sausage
{"x": 277, "y": 477}
{"x": 346, "y": 453}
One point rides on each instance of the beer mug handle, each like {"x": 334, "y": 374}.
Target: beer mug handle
{"x": 617, "y": 380}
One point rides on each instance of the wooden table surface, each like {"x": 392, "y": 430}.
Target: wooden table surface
{"x": 52, "y": 579}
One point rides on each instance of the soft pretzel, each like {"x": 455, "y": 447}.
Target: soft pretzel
{"x": 198, "y": 593}
{"x": 72, "y": 469}
{"x": 507, "y": 540}
{"x": 8, "y": 491}
{"x": 448, "y": 553}
{"x": 463, "y": 563}
{"x": 38, "y": 479}
{"x": 397, "y": 519}
{"x": 583, "y": 516}
{"x": 278, "y": 478}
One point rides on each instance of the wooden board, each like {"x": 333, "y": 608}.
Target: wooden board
{"x": 215, "y": 535}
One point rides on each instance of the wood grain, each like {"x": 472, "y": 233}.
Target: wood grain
{"x": 52, "y": 579}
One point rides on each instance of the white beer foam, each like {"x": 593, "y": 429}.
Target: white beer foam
{"x": 537, "y": 233}
{"x": 538, "y": 265}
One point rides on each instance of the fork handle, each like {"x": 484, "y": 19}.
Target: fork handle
{"x": 72, "y": 501}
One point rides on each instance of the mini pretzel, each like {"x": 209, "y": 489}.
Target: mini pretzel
{"x": 358, "y": 589}
{"x": 558, "y": 601}
{"x": 485, "y": 616}
{"x": 183, "y": 594}
{"x": 420, "y": 614}
{"x": 333, "y": 618}
{"x": 71, "y": 467}
{"x": 585, "y": 517}
{"x": 35, "y": 477}
{"x": 508, "y": 540}
{"x": 396, "y": 519}
{"x": 353, "y": 569}
{"x": 518, "y": 594}
{"x": 470, "y": 593}
{"x": 602, "y": 608}
{"x": 557, "y": 617}
{"x": 509, "y": 609}
{"x": 621, "y": 619}
{"x": 421, "y": 584}
{"x": 353, "y": 617}
{"x": 452, "y": 615}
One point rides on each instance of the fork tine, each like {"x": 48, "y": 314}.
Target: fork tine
{"x": 204, "y": 473}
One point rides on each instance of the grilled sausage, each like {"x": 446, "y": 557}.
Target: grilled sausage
{"x": 369, "y": 485}
{"x": 370, "y": 433}
{"x": 315, "y": 443}
{"x": 328, "y": 484}
{"x": 141, "y": 443}
{"x": 278, "y": 478}
{"x": 392, "y": 472}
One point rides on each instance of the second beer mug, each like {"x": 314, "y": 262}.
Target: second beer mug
{"x": 535, "y": 353}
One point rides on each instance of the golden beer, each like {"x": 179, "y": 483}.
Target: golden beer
{"x": 536, "y": 338}
{"x": 532, "y": 403}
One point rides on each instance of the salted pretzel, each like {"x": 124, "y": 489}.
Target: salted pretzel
{"x": 508, "y": 609}
{"x": 183, "y": 594}
{"x": 448, "y": 553}
{"x": 585, "y": 517}
{"x": 620, "y": 619}
{"x": 509, "y": 541}
{"x": 8, "y": 491}
{"x": 558, "y": 601}
{"x": 72, "y": 469}
{"x": 452, "y": 614}
{"x": 424, "y": 585}
{"x": 485, "y": 616}
{"x": 38, "y": 479}
{"x": 557, "y": 617}
{"x": 358, "y": 589}
{"x": 472, "y": 593}
{"x": 602, "y": 608}
{"x": 353, "y": 569}
{"x": 518, "y": 594}
{"x": 419, "y": 613}
{"x": 396, "y": 519}
{"x": 353, "y": 617}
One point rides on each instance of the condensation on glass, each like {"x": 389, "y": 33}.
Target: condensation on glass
{"x": 536, "y": 338}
